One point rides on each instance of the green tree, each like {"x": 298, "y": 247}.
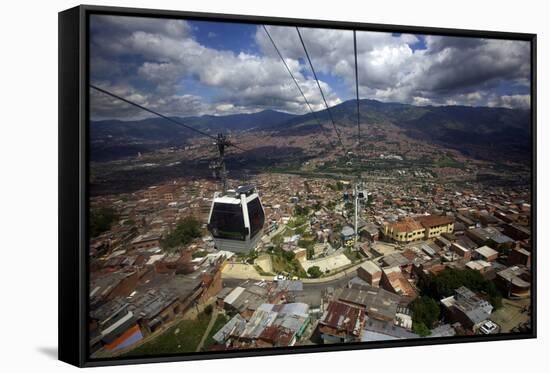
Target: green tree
{"x": 425, "y": 310}
{"x": 277, "y": 239}
{"x": 301, "y": 211}
{"x": 289, "y": 255}
{"x": 421, "y": 329}
{"x": 446, "y": 282}
{"x": 314, "y": 272}
{"x": 306, "y": 243}
{"x": 187, "y": 229}
{"x": 101, "y": 220}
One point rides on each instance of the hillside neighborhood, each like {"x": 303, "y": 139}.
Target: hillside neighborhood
{"x": 430, "y": 260}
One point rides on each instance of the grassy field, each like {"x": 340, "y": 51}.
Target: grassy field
{"x": 185, "y": 336}
{"x": 221, "y": 320}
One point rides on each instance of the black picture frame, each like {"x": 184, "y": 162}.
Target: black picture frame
{"x": 74, "y": 171}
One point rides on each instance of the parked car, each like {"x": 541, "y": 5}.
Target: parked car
{"x": 489, "y": 327}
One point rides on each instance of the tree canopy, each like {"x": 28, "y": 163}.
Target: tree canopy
{"x": 446, "y": 282}
{"x": 289, "y": 255}
{"x": 421, "y": 329}
{"x": 425, "y": 310}
{"x": 186, "y": 230}
{"x": 314, "y": 272}
{"x": 101, "y": 220}
{"x": 301, "y": 210}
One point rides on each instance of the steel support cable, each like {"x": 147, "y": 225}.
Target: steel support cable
{"x": 357, "y": 89}
{"x": 297, "y": 85}
{"x": 104, "y": 91}
{"x": 320, "y": 90}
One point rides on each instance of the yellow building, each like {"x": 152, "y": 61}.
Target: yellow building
{"x": 435, "y": 225}
{"x": 422, "y": 227}
{"x": 406, "y": 230}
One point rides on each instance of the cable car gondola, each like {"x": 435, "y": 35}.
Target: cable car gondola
{"x": 236, "y": 219}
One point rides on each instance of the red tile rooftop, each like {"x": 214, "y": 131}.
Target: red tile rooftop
{"x": 430, "y": 221}
{"x": 406, "y": 225}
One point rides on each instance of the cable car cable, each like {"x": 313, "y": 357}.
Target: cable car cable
{"x": 320, "y": 89}
{"x": 163, "y": 116}
{"x": 297, "y": 85}
{"x": 357, "y": 89}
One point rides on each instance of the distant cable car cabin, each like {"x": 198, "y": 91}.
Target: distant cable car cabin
{"x": 236, "y": 219}
{"x": 361, "y": 193}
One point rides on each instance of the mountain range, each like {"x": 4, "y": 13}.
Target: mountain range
{"x": 481, "y": 132}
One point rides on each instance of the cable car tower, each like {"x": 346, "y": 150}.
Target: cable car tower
{"x": 361, "y": 195}
{"x": 219, "y": 166}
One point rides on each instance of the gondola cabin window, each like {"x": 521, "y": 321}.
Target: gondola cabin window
{"x": 255, "y": 216}
{"x": 227, "y": 221}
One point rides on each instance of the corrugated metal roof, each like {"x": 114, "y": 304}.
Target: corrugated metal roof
{"x": 232, "y": 297}
{"x": 235, "y": 324}
{"x": 344, "y": 317}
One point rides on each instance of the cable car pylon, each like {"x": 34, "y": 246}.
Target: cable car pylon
{"x": 221, "y": 144}
{"x": 360, "y": 194}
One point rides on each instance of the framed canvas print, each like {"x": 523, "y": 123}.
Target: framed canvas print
{"x": 235, "y": 186}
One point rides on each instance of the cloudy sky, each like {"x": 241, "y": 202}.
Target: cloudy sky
{"x": 186, "y": 68}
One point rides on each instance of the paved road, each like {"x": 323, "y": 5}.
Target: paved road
{"x": 308, "y": 286}
{"x": 248, "y": 272}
